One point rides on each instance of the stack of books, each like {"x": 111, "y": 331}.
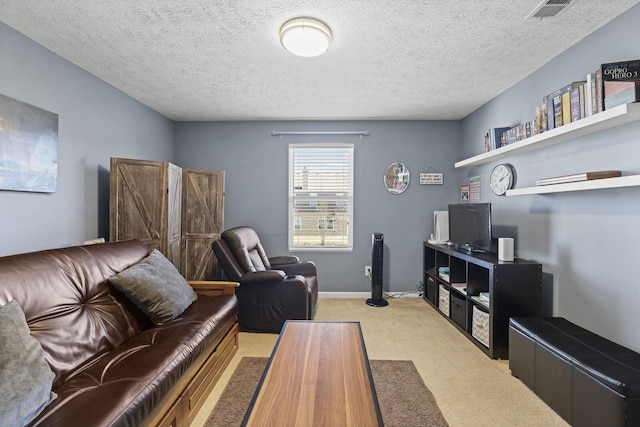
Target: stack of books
{"x": 493, "y": 138}
{"x": 443, "y": 273}
{"x": 608, "y": 86}
{"x": 577, "y": 177}
{"x": 460, "y": 287}
{"x": 482, "y": 299}
{"x": 612, "y": 84}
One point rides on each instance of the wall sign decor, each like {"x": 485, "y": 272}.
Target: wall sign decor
{"x": 396, "y": 178}
{"x": 28, "y": 147}
{"x": 431, "y": 177}
{"x": 474, "y": 189}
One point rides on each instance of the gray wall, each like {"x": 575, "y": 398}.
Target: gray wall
{"x": 96, "y": 122}
{"x": 587, "y": 241}
{"x": 256, "y": 170}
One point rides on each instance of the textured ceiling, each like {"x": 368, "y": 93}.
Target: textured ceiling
{"x": 390, "y": 59}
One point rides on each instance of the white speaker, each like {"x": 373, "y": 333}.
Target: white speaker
{"x": 505, "y": 249}
{"x": 440, "y": 227}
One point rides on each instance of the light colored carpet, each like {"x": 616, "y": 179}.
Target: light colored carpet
{"x": 403, "y": 397}
{"x": 470, "y": 388}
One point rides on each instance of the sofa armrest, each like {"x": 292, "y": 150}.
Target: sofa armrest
{"x": 213, "y": 288}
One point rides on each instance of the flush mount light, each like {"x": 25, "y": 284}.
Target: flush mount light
{"x": 305, "y": 37}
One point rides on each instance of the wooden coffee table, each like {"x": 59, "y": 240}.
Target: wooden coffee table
{"x": 318, "y": 375}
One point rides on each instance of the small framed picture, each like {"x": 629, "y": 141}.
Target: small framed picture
{"x": 464, "y": 193}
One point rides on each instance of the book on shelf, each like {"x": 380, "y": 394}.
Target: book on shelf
{"x": 599, "y": 92}
{"x": 566, "y": 101}
{"x": 590, "y": 95}
{"x": 566, "y": 107}
{"x": 578, "y": 177}
{"x": 618, "y": 93}
{"x": 540, "y": 122}
{"x": 484, "y": 296}
{"x": 620, "y": 83}
{"x": 557, "y": 109}
{"x": 576, "y": 111}
{"x": 550, "y": 114}
{"x": 554, "y": 108}
{"x": 621, "y": 71}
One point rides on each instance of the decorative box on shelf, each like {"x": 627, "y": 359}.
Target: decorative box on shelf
{"x": 480, "y": 326}
{"x": 443, "y": 300}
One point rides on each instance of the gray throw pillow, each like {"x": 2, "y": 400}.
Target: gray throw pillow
{"x": 25, "y": 376}
{"x": 156, "y": 287}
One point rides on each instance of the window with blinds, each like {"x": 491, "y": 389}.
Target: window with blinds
{"x": 320, "y": 196}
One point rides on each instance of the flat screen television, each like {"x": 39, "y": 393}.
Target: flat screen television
{"x": 470, "y": 226}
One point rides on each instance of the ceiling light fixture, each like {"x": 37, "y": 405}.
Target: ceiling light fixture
{"x": 306, "y": 37}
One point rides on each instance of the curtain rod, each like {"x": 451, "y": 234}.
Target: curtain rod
{"x": 359, "y": 132}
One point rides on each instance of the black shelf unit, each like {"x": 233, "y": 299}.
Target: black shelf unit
{"x": 514, "y": 290}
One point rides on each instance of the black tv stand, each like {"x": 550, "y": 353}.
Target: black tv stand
{"x": 478, "y": 293}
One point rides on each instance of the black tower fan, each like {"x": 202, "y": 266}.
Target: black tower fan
{"x": 377, "y": 251}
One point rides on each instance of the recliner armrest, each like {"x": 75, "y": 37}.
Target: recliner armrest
{"x": 305, "y": 268}
{"x": 263, "y": 276}
{"x": 286, "y": 259}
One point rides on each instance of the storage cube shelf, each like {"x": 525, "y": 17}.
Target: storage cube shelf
{"x": 514, "y": 290}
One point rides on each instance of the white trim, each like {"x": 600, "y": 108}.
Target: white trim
{"x": 344, "y": 294}
{"x": 405, "y": 294}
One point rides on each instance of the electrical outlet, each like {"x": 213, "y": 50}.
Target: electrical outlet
{"x": 367, "y": 269}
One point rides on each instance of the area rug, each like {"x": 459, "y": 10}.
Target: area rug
{"x": 404, "y": 399}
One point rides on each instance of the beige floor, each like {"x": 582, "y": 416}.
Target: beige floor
{"x": 470, "y": 388}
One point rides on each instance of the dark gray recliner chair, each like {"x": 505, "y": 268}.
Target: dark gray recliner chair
{"x": 271, "y": 290}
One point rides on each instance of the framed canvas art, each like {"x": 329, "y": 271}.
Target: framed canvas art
{"x": 28, "y": 147}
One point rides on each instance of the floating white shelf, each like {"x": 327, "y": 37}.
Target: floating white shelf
{"x": 594, "y": 184}
{"x": 616, "y": 116}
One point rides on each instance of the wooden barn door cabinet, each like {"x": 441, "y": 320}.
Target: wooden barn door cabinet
{"x": 145, "y": 204}
{"x": 179, "y": 212}
{"x": 202, "y": 222}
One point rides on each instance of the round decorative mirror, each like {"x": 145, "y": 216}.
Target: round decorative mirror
{"x": 396, "y": 178}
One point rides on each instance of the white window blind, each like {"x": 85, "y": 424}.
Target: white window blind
{"x": 320, "y": 196}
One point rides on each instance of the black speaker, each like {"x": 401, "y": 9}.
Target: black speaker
{"x": 377, "y": 257}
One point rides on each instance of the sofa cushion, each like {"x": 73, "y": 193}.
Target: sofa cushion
{"x": 156, "y": 287}
{"x": 25, "y": 376}
{"x": 131, "y": 380}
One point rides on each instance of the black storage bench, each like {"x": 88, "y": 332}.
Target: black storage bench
{"x": 587, "y": 379}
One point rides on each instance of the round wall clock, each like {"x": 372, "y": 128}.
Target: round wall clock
{"x": 503, "y": 178}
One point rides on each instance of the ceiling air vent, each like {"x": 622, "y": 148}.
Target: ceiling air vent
{"x": 549, "y": 8}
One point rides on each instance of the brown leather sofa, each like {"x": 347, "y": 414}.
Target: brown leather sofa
{"x": 272, "y": 290}
{"x": 112, "y": 366}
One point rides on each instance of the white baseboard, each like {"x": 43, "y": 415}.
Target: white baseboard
{"x": 344, "y": 294}
{"x": 406, "y": 294}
